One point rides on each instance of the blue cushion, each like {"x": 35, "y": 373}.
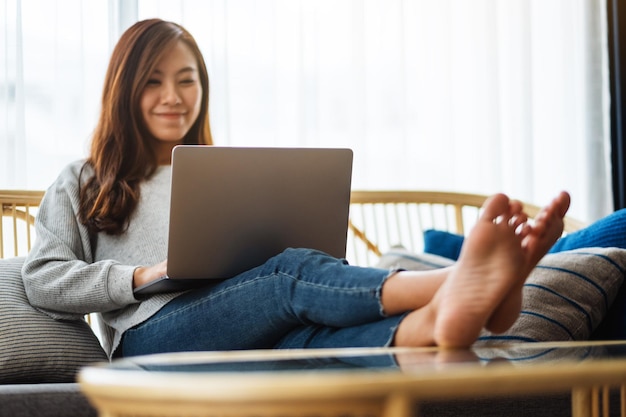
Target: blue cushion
{"x": 608, "y": 232}
{"x": 442, "y": 243}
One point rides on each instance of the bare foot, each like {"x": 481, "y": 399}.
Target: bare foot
{"x": 548, "y": 227}
{"x": 496, "y": 258}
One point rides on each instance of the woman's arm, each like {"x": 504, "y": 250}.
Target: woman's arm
{"x": 60, "y": 274}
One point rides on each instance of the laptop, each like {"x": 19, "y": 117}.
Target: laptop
{"x": 233, "y": 208}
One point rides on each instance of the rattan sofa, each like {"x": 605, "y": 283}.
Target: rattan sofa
{"x": 378, "y": 221}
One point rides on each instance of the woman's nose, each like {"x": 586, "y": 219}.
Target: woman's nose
{"x": 170, "y": 94}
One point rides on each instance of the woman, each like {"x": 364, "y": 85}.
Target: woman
{"x": 102, "y": 230}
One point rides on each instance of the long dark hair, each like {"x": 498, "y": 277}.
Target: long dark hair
{"x": 122, "y": 148}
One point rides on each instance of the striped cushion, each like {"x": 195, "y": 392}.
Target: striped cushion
{"x": 35, "y": 348}
{"x": 566, "y": 296}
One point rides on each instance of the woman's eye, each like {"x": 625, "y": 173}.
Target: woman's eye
{"x": 187, "y": 81}
{"x": 153, "y": 81}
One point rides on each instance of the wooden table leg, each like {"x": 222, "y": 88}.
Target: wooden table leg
{"x": 398, "y": 404}
{"x": 582, "y": 402}
{"x": 606, "y": 401}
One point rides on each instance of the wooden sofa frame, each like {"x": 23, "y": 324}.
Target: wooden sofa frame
{"x": 378, "y": 220}
{"x": 19, "y": 209}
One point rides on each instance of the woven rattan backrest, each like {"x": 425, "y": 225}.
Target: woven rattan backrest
{"x": 19, "y": 209}
{"x": 382, "y": 219}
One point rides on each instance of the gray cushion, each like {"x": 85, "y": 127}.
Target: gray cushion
{"x": 565, "y": 297}
{"x": 44, "y": 400}
{"x": 35, "y": 347}
{"x": 399, "y": 257}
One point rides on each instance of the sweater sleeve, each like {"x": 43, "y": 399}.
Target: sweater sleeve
{"x": 60, "y": 275}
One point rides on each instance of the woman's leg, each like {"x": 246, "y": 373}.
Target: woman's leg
{"x": 259, "y": 307}
{"x": 379, "y": 333}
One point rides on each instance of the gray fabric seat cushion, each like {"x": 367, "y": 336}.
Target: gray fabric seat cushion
{"x": 35, "y": 347}
{"x": 44, "y": 400}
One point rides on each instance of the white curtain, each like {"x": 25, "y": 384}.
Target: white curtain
{"x": 466, "y": 95}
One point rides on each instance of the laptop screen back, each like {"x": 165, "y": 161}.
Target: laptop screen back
{"x": 232, "y": 208}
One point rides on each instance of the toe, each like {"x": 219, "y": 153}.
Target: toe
{"x": 494, "y": 207}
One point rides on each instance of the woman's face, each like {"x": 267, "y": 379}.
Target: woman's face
{"x": 170, "y": 102}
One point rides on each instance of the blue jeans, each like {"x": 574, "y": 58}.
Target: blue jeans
{"x": 299, "y": 299}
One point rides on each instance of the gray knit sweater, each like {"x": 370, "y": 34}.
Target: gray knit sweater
{"x": 69, "y": 273}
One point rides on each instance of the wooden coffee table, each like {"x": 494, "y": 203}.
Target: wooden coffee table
{"x": 377, "y": 381}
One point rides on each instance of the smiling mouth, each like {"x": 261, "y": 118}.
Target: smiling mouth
{"x": 170, "y": 115}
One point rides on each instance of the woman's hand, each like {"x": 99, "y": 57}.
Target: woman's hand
{"x": 145, "y": 274}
